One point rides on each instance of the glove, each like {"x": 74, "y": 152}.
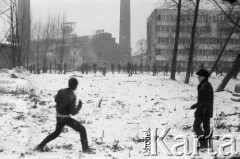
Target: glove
{"x": 193, "y": 106}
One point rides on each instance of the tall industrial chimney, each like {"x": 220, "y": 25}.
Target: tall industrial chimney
{"x": 125, "y": 28}
{"x": 24, "y": 24}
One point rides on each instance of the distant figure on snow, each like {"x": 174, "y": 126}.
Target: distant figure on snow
{"x": 166, "y": 67}
{"x": 112, "y": 67}
{"x": 119, "y": 68}
{"x": 104, "y": 69}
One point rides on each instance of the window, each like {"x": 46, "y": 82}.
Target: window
{"x": 235, "y": 41}
{"x": 158, "y": 52}
{"x": 163, "y": 17}
{"x": 214, "y": 41}
{"x": 168, "y": 28}
{"x": 211, "y": 41}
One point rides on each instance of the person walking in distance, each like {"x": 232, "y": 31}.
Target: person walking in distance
{"x": 166, "y": 69}
{"x": 154, "y": 69}
{"x": 104, "y": 69}
{"x": 95, "y": 68}
{"x": 112, "y": 67}
{"x": 65, "y": 67}
{"x": 119, "y": 67}
{"x": 65, "y": 100}
{"x": 204, "y": 108}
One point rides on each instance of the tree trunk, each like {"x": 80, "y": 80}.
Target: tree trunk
{"x": 175, "y": 51}
{"x": 236, "y": 73}
{"x": 191, "y": 51}
{"x": 230, "y": 73}
{"x": 221, "y": 52}
{"x": 28, "y": 49}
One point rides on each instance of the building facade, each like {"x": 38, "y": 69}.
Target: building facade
{"x": 98, "y": 48}
{"x": 212, "y": 31}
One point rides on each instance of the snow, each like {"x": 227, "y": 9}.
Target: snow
{"x": 128, "y": 106}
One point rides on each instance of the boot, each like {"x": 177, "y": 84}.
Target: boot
{"x": 39, "y": 148}
{"x": 203, "y": 144}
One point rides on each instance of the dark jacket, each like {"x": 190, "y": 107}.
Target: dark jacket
{"x": 204, "y": 105}
{"x": 66, "y": 100}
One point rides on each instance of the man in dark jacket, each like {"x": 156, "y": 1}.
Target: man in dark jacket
{"x": 95, "y": 68}
{"x": 204, "y": 107}
{"x": 66, "y": 100}
{"x": 154, "y": 68}
{"x": 112, "y": 67}
{"x": 104, "y": 69}
{"x": 119, "y": 67}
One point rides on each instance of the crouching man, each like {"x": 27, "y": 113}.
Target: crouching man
{"x": 65, "y": 100}
{"x": 204, "y": 108}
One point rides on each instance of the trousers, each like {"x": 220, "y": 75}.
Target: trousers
{"x": 206, "y": 131}
{"x": 61, "y": 122}
{"x": 206, "y": 126}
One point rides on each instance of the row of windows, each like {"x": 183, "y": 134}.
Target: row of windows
{"x": 198, "y": 52}
{"x": 167, "y": 40}
{"x": 185, "y": 29}
{"x": 227, "y": 30}
{"x": 189, "y": 17}
{"x": 199, "y": 63}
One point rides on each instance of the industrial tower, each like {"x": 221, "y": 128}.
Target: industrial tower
{"x": 125, "y": 28}
{"x": 24, "y": 25}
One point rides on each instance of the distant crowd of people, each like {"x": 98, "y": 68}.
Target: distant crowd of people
{"x": 129, "y": 68}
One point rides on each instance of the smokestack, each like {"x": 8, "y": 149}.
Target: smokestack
{"x": 125, "y": 27}
{"x": 24, "y": 23}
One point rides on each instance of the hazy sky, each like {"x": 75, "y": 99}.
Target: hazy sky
{"x": 92, "y": 15}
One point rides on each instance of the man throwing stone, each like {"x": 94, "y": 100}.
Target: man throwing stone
{"x": 65, "y": 101}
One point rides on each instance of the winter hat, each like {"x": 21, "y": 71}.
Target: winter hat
{"x": 203, "y": 72}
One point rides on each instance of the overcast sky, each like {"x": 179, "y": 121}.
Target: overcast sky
{"x": 92, "y": 15}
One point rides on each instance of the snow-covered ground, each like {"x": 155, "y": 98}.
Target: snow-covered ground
{"x": 129, "y": 105}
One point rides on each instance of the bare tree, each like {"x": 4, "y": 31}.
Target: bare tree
{"x": 62, "y": 40}
{"x": 37, "y": 37}
{"x": 57, "y": 36}
{"x": 142, "y": 48}
{"x": 46, "y": 37}
{"x": 191, "y": 51}
{"x": 231, "y": 72}
{"x": 232, "y": 14}
{"x": 177, "y": 31}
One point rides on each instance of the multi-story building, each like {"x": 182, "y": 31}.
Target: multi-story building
{"x": 212, "y": 31}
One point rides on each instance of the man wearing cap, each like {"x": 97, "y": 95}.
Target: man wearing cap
{"x": 204, "y": 107}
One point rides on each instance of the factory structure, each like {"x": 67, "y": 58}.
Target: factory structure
{"x": 98, "y": 48}
{"x": 125, "y": 28}
{"x": 102, "y": 47}
{"x": 17, "y": 38}
{"x": 24, "y": 24}
{"x": 212, "y": 31}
